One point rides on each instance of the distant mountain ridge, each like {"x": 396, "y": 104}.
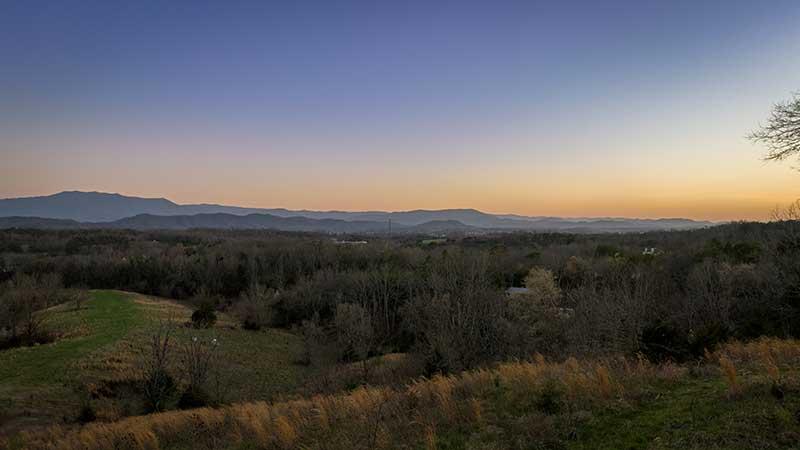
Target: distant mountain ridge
{"x": 98, "y": 209}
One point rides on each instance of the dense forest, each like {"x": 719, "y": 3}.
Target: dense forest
{"x": 667, "y": 295}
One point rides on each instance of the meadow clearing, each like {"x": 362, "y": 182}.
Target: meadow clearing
{"x": 96, "y": 358}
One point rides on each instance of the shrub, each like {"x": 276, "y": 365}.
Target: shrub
{"x": 197, "y": 364}
{"x": 193, "y": 398}
{"x": 79, "y": 297}
{"x": 158, "y": 388}
{"x": 86, "y": 414}
{"x": 707, "y": 337}
{"x": 204, "y": 316}
{"x": 255, "y": 308}
{"x": 661, "y": 341}
{"x": 551, "y": 397}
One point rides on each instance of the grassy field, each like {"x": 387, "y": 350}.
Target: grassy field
{"x": 698, "y": 414}
{"x": 104, "y": 319}
{"x": 752, "y": 403}
{"x": 100, "y": 349}
{"x": 37, "y": 383}
{"x": 571, "y": 405}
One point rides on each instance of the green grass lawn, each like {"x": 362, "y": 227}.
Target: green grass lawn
{"x": 697, "y": 415}
{"x": 106, "y": 318}
{"x": 37, "y": 383}
{"x": 255, "y": 365}
{"x": 103, "y": 342}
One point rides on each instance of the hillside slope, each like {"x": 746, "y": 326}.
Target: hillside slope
{"x": 100, "y": 349}
{"x": 605, "y": 404}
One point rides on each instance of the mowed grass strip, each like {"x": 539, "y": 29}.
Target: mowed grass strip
{"x": 106, "y": 318}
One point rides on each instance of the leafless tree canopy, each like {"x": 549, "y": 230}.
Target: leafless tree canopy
{"x": 788, "y": 213}
{"x": 781, "y": 134}
{"x": 158, "y": 384}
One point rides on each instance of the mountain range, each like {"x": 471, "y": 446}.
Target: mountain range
{"x": 76, "y": 209}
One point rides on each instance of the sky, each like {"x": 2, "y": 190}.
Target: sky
{"x": 619, "y": 108}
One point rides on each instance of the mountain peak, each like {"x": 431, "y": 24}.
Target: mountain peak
{"x": 108, "y": 195}
{"x": 103, "y": 207}
{"x": 84, "y": 206}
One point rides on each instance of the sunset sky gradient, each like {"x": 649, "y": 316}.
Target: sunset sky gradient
{"x": 621, "y": 108}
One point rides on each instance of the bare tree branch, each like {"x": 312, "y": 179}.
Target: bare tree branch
{"x": 781, "y": 134}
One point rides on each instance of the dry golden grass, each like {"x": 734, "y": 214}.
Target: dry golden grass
{"x": 770, "y": 366}
{"x": 768, "y": 357}
{"x": 285, "y": 433}
{"x": 781, "y": 351}
{"x": 420, "y": 414}
{"x": 475, "y": 411}
{"x": 364, "y": 418}
{"x": 430, "y": 438}
{"x": 730, "y": 374}
{"x": 393, "y": 369}
{"x": 415, "y": 415}
{"x": 605, "y": 386}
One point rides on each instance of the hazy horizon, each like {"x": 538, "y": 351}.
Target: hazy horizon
{"x": 625, "y": 109}
{"x": 496, "y": 213}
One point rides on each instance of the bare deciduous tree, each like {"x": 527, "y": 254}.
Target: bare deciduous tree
{"x": 313, "y": 341}
{"x": 611, "y": 314}
{"x": 24, "y": 303}
{"x": 458, "y": 332}
{"x": 255, "y": 307}
{"x": 788, "y": 213}
{"x": 197, "y": 365}
{"x": 79, "y": 296}
{"x": 355, "y": 334}
{"x": 781, "y": 134}
{"x": 710, "y": 301}
{"x": 158, "y": 385}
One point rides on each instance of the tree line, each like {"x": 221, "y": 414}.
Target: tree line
{"x": 447, "y": 303}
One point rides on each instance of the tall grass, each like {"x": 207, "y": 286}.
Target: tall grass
{"x": 782, "y": 351}
{"x": 730, "y": 374}
{"x": 364, "y": 418}
{"x": 420, "y": 415}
